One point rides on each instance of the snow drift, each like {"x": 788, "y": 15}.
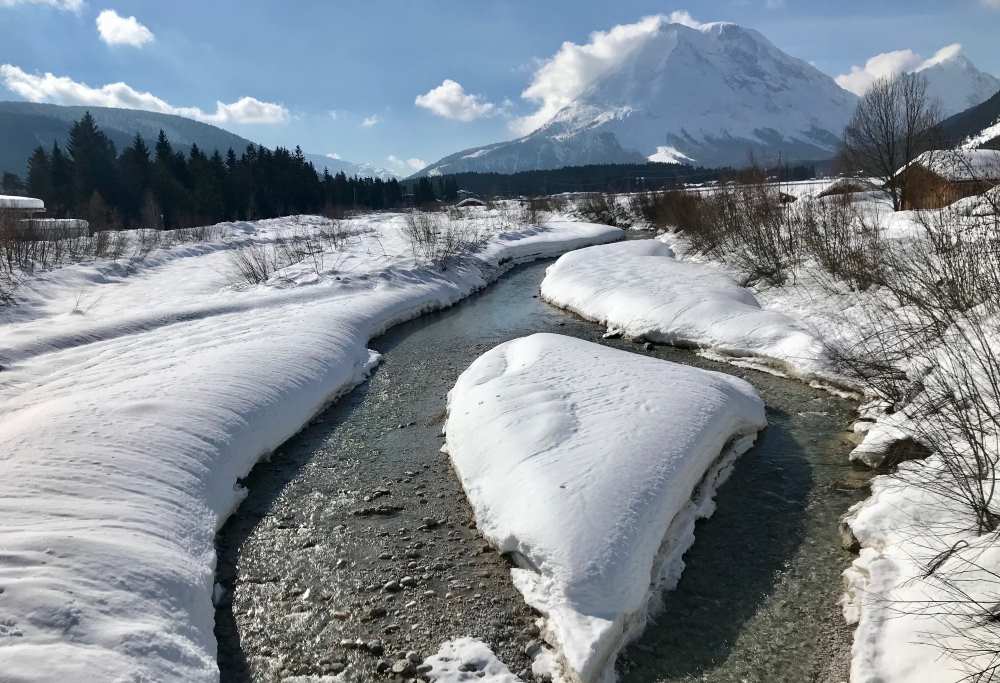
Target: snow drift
{"x": 640, "y": 290}
{"x": 132, "y": 399}
{"x": 589, "y": 465}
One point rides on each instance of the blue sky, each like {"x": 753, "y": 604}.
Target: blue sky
{"x": 317, "y": 71}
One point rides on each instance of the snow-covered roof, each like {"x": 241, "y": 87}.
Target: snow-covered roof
{"x": 959, "y": 165}
{"x": 57, "y": 223}
{"x": 26, "y": 203}
{"x": 847, "y": 186}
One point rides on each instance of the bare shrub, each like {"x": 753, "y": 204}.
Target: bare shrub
{"x": 548, "y": 204}
{"x": 846, "y": 242}
{"x": 146, "y": 240}
{"x": 603, "y": 209}
{"x": 253, "y": 263}
{"x": 938, "y": 327}
{"x": 755, "y": 231}
{"x": 336, "y": 235}
{"x": 8, "y": 265}
{"x": 438, "y": 241}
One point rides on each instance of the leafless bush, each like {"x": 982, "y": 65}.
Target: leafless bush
{"x": 933, "y": 352}
{"x": 537, "y": 210}
{"x": 456, "y": 213}
{"x": 336, "y": 235}
{"x": 254, "y": 263}
{"x": 146, "y": 240}
{"x": 603, "y": 209}
{"x": 547, "y": 205}
{"x": 936, "y": 325}
{"x": 847, "y": 243}
{"x": 438, "y": 241}
{"x": 755, "y": 231}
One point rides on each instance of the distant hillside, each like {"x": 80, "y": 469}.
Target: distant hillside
{"x": 599, "y": 178}
{"x": 25, "y": 125}
{"x": 978, "y": 126}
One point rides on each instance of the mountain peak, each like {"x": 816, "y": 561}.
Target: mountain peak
{"x": 955, "y": 82}
{"x": 710, "y": 93}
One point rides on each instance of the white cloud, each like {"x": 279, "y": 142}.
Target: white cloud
{"x": 995, "y": 4}
{"x": 63, "y": 90}
{"x": 682, "y": 17}
{"x": 450, "y": 101}
{"x": 249, "y": 110}
{"x": 371, "y": 121}
{"x": 403, "y": 165}
{"x": 334, "y": 114}
{"x": 64, "y": 5}
{"x": 564, "y": 76}
{"x": 118, "y": 30}
{"x": 886, "y": 64}
{"x": 334, "y": 156}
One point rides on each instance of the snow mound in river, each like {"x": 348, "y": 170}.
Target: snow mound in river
{"x": 590, "y": 465}
{"x": 639, "y": 289}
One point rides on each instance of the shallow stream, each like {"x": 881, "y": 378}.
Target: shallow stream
{"x": 362, "y": 498}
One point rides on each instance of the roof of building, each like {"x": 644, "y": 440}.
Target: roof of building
{"x": 958, "y": 165}
{"x": 56, "y": 223}
{"x": 24, "y": 203}
{"x": 848, "y": 186}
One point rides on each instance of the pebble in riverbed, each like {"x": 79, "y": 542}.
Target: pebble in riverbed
{"x": 360, "y": 561}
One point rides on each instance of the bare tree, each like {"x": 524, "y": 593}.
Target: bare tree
{"x": 893, "y": 124}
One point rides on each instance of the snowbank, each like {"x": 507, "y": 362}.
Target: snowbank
{"x": 640, "y": 290}
{"x": 468, "y": 659}
{"x": 590, "y": 465}
{"x": 913, "y": 627}
{"x": 132, "y": 399}
{"x": 21, "y": 203}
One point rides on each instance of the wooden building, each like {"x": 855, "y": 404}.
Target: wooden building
{"x": 939, "y": 178}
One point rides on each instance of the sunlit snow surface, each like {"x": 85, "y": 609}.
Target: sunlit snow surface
{"x": 590, "y": 465}
{"x": 133, "y": 397}
{"x": 641, "y": 290}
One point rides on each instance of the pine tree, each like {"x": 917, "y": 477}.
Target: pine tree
{"x": 62, "y": 184}
{"x": 40, "y": 175}
{"x": 136, "y": 176}
{"x": 93, "y": 156}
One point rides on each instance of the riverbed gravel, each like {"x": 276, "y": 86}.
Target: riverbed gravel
{"x": 355, "y": 550}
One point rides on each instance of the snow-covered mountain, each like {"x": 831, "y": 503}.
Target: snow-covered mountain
{"x": 349, "y": 168}
{"x": 956, "y": 83}
{"x": 709, "y": 95}
{"x": 975, "y": 127}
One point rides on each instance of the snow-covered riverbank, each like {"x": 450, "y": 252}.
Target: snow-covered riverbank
{"x": 133, "y": 399}
{"x": 665, "y": 293}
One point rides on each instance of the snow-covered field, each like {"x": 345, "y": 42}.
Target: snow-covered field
{"x": 639, "y": 289}
{"x": 662, "y": 291}
{"x": 590, "y": 465}
{"x": 133, "y": 397}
